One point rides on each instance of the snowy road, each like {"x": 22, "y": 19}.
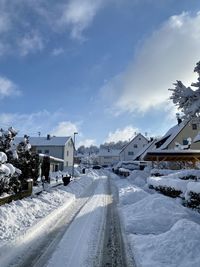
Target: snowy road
{"x": 87, "y": 234}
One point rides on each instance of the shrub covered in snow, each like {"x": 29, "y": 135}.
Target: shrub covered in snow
{"x": 8, "y": 175}
{"x": 161, "y": 172}
{"x": 192, "y": 195}
{"x": 168, "y": 186}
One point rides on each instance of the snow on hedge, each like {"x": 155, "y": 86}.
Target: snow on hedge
{"x": 18, "y": 216}
{"x": 164, "y": 181}
{"x": 178, "y": 247}
{"x": 193, "y": 187}
{"x": 175, "y": 174}
{"x": 162, "y": 172}
{"x": 154, "y": 214}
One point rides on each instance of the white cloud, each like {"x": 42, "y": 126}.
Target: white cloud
{"x": 31, "y": 43}
{"x": 43, "y": 121}
{"x": 7, "y": 88}
{"x": 170, "y": 53}
{"x": 121, "y": 134}
{"x": 87, "y": 143}
{"x": 79, "y": 14}
{"x": 65, "y": 128}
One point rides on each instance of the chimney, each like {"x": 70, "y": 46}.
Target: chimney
{"x": 48, "y": 136}
{"x": 178, "y": 118}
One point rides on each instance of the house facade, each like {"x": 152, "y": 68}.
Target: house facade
{"x": 108, "y": 156}
{"x": 58, "y": 147}
{"x": 133, "y": 147}
{"x": 181, "y": 136}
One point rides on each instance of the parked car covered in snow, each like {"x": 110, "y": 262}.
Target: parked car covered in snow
{"x": 129, "y": 166}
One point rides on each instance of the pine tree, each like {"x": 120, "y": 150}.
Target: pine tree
{"x": 185, "y": 98}
{"x": 28, "y": 162}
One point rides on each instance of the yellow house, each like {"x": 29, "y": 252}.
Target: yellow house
{"x": 181, "y": 136}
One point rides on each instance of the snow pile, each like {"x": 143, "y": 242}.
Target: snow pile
{"x": 178, "y": 247}
{"x": 139, "y": 177}
{"x": 129, "y": 194}
{"x": 18, "y": 216}
{"x": 154, "y": 214}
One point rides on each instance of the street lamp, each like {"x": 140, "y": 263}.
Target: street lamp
{"x": 73, "y": 154}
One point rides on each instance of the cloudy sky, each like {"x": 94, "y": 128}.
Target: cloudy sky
{"x": 101, "y": 68}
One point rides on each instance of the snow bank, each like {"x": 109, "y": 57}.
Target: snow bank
{"x": 154, "y": 214}
{"x": 129, "y": 194}
{"x": 18, "y": 216}
{"x": 139, "y": 177}
{"x": 178, "y": 247}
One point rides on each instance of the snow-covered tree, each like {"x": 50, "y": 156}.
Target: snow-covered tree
{"x": 185, "y": 98}
{"x": 27, "y": 161}
{"x": 8, "y": 176}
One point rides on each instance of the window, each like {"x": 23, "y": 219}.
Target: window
{"x": 46, "y": 151}
{"x": 135, "y": 146}
{"x": 185, "y": 142}
{"x": 130, "y": 153}
{"x": 194, "y": 126}
{"x": 67, "y": 153}
{"x": 139, "y": 138}
{"x": 39, "y": 151}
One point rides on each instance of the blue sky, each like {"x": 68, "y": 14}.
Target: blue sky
{"x": 98, "y": 67}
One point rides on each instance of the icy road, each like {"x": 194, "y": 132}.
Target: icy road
{"x": 87, "y": 233}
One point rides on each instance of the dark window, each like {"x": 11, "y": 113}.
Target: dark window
{"x": 39, "y": 151}
{"x": 135, "y": 146}
{"x": 139, "y": 138}
{"x": 194, "y": 126}
{"x": 130, "y": 153}
{"x": 46, "y": 151}
{"x": 185, "y": 142}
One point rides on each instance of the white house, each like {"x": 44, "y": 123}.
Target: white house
{"x": 58, "y": 147}
{"x": 108, "y": 156}
{"x": 133, "y": 147}
{"x": 143, "y": 151}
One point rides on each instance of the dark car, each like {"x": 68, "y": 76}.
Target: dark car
{"x": 96, "y": 167}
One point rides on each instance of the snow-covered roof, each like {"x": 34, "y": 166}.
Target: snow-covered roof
{"x": 171, "y": 134}
{"x": 109, "y": 152}
{"x": 145, "y": 149}
{"x": 43, "y": 141}
{"x": 53, "y": 159}
{"x": 138, "y": 135}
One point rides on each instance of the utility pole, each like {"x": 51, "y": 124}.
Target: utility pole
{"x": 73, "y": 155}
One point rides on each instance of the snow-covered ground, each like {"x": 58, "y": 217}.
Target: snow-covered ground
{"x": 24, "y": 222}
{"x": 160, "y": 231}
{"x": 66, "y": 226}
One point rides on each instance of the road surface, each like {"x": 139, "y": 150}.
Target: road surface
{"x": 87, "y": 234}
